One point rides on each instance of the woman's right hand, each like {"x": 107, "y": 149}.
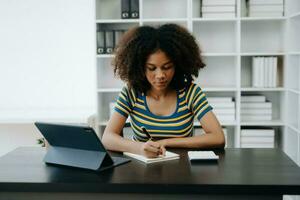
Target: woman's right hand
{"x": 151, "y": 149}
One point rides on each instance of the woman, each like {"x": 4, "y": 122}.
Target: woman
{"x": 158, "y": 66}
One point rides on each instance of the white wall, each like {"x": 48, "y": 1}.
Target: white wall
{"x": 47, "y": 59}
{"x": 47, "y": 66}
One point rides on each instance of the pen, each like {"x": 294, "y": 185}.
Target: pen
{"x": 146, "y": 132}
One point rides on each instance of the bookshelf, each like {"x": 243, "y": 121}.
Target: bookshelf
{"x": 228, "y": 45}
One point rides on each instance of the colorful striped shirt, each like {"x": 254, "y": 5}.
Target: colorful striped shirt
{"x": 191, "y": 103}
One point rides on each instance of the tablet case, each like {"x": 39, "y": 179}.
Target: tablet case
{"x": 76, "y": 146}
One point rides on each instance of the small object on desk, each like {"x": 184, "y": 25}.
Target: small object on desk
{"x": 202, "y": 155}
{"x": 169, "y": 156}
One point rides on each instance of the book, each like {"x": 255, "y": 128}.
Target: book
{"x": 218, "y": 2}
{"x": 253, "y": 98}
{"x": 134, "y": 9}
{"x": 219, "y": 99}
{"x": 265, "y": 14}
{"x": 213, "y": 9}
{"x": 251, "y": 139}
{"x": 100, "y": 42}
{"x": 202, "y": 155}
{"x": 266, "y": 64}
{"x": 256, "y": 145}
{"x": 265, "y": 2}
{"x": 245, "y": 117}
{"x": 265, "y": 111}
{"x": 261, "y": 71}
{"x": 266, "y": 8}
{"x": 274, "y": 71}
{"x": 225, "y": 111}
{"x": 255, "y": 71}
{"x": 125, "y": 9}
{"x": 223, "y": 104}
{"x": 169, "y": 156}
{"x": 258, "y": 132}
{"x": 219, "y": 15}
{"x": 245, "y": 105}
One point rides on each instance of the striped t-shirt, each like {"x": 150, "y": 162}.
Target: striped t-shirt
{"x": 191, "y": 102}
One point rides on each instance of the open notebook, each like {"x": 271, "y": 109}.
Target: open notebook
{"x": 169, "y": 156}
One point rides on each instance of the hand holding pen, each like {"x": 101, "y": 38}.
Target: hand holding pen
{"x": 151, "y": 148}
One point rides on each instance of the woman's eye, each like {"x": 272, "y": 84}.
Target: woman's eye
{"x": 151, "y": 68}
{"x": 168, "y": 67}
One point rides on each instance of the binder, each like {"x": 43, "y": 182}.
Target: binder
{"x": 118, "y": 34}
{"x": 100, "y": 42}
{"x": 125, "y": 9}
{"x": 134, "y": 9}
{"x": 109, "y": 41}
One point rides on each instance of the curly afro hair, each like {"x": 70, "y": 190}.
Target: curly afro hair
{"x": 138, "y": 43}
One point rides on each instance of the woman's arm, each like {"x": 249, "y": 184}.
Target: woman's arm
{"x": 213, "y": 137}
{"x": 112, "y": 139}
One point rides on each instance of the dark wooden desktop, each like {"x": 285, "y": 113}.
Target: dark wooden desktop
{"x": 239, "y": 173}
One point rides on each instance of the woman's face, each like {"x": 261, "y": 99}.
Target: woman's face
{"x": 159, "y": 70}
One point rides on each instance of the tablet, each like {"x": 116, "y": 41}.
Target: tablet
{"x": 76, "y": 146}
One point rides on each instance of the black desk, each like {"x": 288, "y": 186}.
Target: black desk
{"x": 256, "y": 173}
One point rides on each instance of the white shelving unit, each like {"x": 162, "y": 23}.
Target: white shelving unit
{"x": 228, "y": 46}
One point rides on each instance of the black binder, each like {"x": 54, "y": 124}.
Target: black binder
{"x": 76, "y": 146}
{"x": 109, "y": 41}
{"x": 125, "y": 9}
{"x": 118, "y": 34}
{"x": 134, "y": 9}
{"x": 100, "y": 42}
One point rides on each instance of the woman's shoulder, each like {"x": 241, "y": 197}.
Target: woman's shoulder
{"x": 191, "y": 87}
{"x": 129, "y": 92}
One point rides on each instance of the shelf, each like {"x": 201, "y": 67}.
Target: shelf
{"x": 165, "y": 20}
{"x": 112, "y": 21}
{"x": 218, "y": 54}
{"x": 262, "y": 54}
{"x": 224, "y": 123}
{"x": 262, "y": 18}
{"x": 218, "y": 89}
{"x": 105, "y": 55}
{"x": 294, "y": 128}
{"x": 263, "y": 123}
{"x": 213, "y": 19}
{"x": 294, "y": 91}
{"x": 296, "y": 53}
{"x": 250, "y": 89}
{"x": 297, "y": 14}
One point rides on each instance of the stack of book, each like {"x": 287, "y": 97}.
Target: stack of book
{"x": 265, "y": 8}
{"x": 257, "y": 138}
{"x": 223, "y": 107}
{"x": 218, "y": 8}
{"x": 107, "y": 40}
{"x": 255, "y": 108}
{"x": 200, "y": 131}
{"x": 264, "y": 71}
{"x": 130, "y": 9}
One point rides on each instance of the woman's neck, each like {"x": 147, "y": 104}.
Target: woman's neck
{"x": 158, "y": 94}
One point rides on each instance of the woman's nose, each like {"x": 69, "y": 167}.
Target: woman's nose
{"x": 160, "y": 74}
